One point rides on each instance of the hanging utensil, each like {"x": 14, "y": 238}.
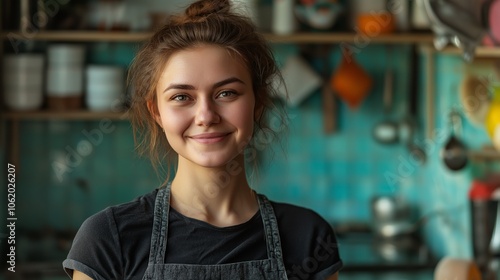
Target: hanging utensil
{"x": 409, "y": 126}
{"x": 386, "y": 132}
{"x": 454, "y": 153}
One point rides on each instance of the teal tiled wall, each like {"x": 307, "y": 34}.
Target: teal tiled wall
{"x": 336, "y": 175}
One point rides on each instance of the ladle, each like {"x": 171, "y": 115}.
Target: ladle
{"x": 454, "y": 153}
{"x": 386, "y": 132}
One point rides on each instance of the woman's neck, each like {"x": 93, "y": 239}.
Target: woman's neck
{"x": 219, "y": 196}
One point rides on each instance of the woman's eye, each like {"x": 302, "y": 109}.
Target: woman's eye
{"x": 180, "y": 97}
{"x": 226, "y": 93}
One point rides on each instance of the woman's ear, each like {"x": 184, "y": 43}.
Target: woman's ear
{"x": 153, "y": 110}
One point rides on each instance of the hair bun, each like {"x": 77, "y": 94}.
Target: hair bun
{"x": 204, "y": 8}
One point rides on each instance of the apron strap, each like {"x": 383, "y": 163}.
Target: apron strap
{"x": 271, "y": 231}
{"x": 160, "y": 226}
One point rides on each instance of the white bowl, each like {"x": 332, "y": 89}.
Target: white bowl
{"x": 66, "y": 55}
{"x": 105, "y": 74}
{"x": 105, "y": 90}
{"x": 64, "y": 81}
{"x": 103, "y": 104}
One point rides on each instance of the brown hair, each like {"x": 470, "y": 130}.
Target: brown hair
{"x": 203, "y": 22}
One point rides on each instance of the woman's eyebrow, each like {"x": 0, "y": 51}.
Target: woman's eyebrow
{"x": 227, "y": 81}
{"x": 216, "y": 85}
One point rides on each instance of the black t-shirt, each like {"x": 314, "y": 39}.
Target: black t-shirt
{"x": 115, "y": 243}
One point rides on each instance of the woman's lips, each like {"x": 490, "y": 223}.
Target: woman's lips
{"x": 209, "y": 138}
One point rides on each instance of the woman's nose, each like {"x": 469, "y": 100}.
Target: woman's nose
{"x": 206, "y": 114}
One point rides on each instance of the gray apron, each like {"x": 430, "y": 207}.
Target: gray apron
{"x": 271, "y": 268}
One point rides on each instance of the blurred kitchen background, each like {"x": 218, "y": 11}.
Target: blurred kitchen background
{"x": 392, "y": 144}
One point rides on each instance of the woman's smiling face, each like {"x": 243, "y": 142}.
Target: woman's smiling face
{"x": 206, "y": 105}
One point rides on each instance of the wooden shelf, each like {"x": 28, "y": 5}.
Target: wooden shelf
{"x": 298, "y": 38}
{"x": 397, "y": 38}
{"x": 64, "y": 115}
{"x": 329, "y": 37}
{"x": 480, "y": 51}
{"x": 80, "y": 36}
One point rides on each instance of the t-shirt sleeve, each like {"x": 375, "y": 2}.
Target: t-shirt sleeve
{"x": 323, "y": 259}
{"x": 96, "y": 248}
{"x": 309, "y": 244}
{"x": 325, "y": 252}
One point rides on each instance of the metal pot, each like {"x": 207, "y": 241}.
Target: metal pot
{"x": 398, "y": 228}
{"x": 391, "y": 217}
{"x": 389, "y": 208}
{"x": 400, "y": 249}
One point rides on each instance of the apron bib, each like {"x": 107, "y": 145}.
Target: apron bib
{"x": 272, "y": 268}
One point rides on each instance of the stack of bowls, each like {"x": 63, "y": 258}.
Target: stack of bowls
{"x": 65, "y": 76}
{"x": 105, "y": 87}
{"x": 23, "y": 81}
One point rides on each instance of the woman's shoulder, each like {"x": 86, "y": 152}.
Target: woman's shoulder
{"x": 293, "y": 214}
{"x": 141, "y": 205}
{"x": 308, "y": 242}
{"x": 103, "y": 235}
{"x": 137, "y": 210}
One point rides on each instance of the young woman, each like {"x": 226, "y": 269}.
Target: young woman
{"x": 203, "y": 92}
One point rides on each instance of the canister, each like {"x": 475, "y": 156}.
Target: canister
{"x": 105, "y": 87}
{"x": 284, "y": 21}
{"x": 23, "y": 81}
{"x": 65, "y": 76}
